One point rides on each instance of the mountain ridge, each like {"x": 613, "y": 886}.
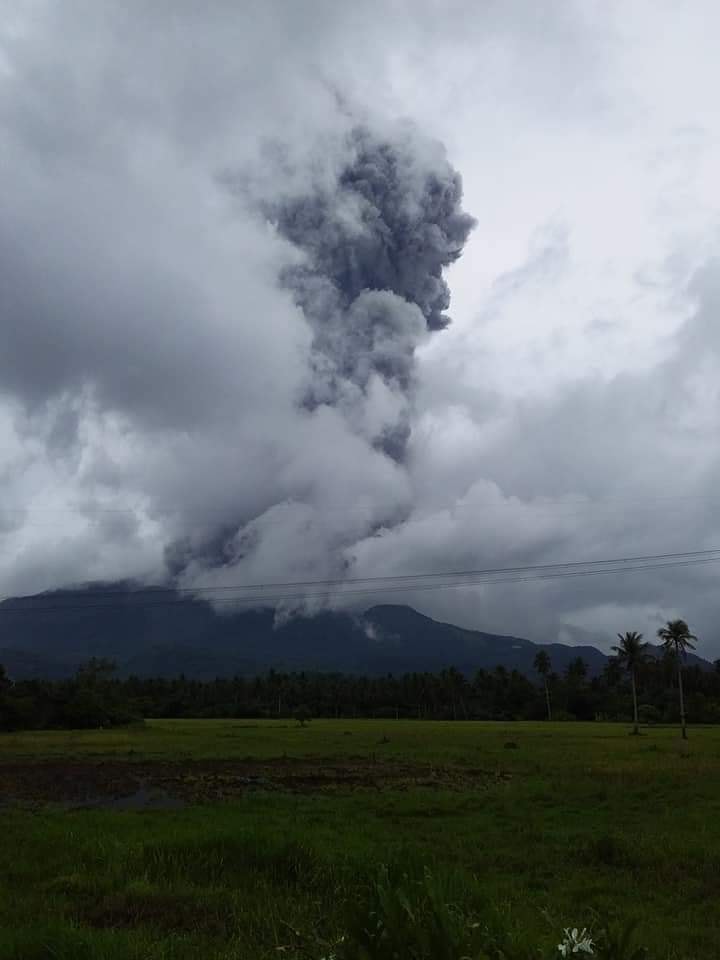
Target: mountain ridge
{"x": 156, "y": 631}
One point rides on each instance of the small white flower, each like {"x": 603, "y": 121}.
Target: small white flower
{"x": 576, "y": 942}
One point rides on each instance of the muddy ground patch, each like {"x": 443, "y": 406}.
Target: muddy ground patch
{"x": 123, "y": 784}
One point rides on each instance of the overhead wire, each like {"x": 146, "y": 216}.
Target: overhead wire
{"x": 337, "y": 589}
{"x": 405, "y": 577}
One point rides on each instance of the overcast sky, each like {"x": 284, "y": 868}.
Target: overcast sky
{"x": 186, "y": 385}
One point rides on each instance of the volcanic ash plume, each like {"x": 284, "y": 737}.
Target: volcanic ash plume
{"x": 367, "y": 225}
{"x": 375, "y": 235}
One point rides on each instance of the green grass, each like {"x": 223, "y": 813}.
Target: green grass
{"x": 590, "y": 822}
{"x": 408, "y": 739}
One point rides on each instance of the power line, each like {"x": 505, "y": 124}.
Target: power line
{"x": 539, "y": 572}
{"x": 407, "y": 577}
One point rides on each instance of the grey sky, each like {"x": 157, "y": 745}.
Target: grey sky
{"x": 152, "y": 362}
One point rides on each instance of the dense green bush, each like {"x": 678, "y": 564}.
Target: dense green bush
{"x": 420, "y": 916}
{"x": 89, "y": 700}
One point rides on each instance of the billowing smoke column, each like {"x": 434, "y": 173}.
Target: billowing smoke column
{"x": 375, "y": 241}
{"x": 371, "y": 220}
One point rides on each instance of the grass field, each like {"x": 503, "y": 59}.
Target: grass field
{"x": 265, "y": 834}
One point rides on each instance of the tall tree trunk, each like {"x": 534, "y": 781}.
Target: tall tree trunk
{"x": 682, "y": 701}
{"x": 547, "y": 700}
{"x": 635, "y": 708}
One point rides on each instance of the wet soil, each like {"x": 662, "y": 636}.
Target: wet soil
{"x": 121, "y": 784}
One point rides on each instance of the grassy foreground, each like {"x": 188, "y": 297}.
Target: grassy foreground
{"x": 573, "y": 823}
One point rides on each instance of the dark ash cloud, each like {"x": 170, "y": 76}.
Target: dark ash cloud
{"x": 392, "y": 223}
{"x": 370, "y": 239}
{"x": 375, "y": 237}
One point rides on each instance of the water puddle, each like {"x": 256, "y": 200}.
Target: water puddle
{"x": 144, "y": 798}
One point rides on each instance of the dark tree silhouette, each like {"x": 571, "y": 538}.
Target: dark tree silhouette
{"x": 630, "y": 655}
{"x": 677, "y": 640}
{"x": 542, "y": 665}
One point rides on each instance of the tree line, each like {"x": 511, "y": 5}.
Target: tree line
{"x": 631, "y": 655}
{"x": 633, "y": 687}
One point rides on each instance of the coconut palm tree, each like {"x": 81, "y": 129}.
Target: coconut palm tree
{"x": 542, "y": 665}
{"x": 677, "y": 640}
{"x": 630, "y": 654}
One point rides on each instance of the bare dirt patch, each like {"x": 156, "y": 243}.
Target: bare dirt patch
{"x": 146, "y": 784}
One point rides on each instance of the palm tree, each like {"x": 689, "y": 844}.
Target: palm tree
{"x": 677, "y": 640}
{"x": 542, "y": 665}
{"x": 630, "y": 654}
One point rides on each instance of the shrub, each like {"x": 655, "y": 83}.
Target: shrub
{"x": 420, "y": 917}
{"x": 647, "y": 713}
{"x": 303, "y": 715}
